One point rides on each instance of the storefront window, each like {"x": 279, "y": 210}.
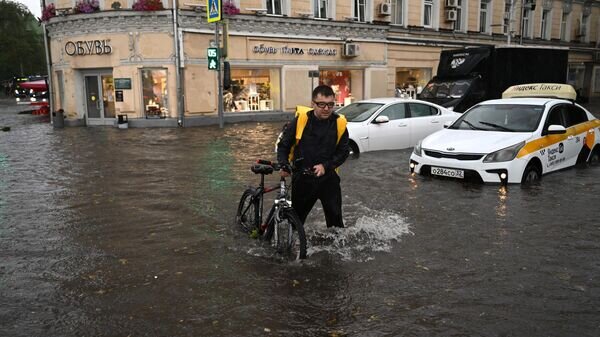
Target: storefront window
{"x": 252, "y": 90}
{"x": 154, "y": 89}
{"x": 575, "y": 75}
{"x": 412, "y": 80}
{"x": 340, "y": 82}
{"x": 108, "y": 96}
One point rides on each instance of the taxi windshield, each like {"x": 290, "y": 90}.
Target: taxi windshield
{"x": 359, "y": 112}
{"x": 501, "y": 117}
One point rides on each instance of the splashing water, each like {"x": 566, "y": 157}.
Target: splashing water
{"x": 373, "y": 232}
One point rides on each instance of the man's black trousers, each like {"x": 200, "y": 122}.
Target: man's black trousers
{"x": 307, "y": 189}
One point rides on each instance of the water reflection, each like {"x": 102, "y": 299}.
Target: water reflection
{"x": 502, "y": 197}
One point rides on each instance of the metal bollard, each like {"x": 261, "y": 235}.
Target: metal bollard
{"x": 58, "y": 118}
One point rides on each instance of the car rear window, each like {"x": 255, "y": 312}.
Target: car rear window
{"x": 501, "y": 117}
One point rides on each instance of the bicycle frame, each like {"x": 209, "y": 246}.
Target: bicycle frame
{"x": 260, "y": 192}
{"x": 281, "y": 202}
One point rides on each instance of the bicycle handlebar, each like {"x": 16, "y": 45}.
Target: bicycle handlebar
{"x": 263, "y": 166}
{"x": 275, "y": 166}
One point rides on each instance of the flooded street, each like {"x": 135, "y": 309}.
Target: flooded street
{"x": 108, "y": 232}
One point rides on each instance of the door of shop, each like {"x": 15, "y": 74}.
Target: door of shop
{"x": 99, "y": 99}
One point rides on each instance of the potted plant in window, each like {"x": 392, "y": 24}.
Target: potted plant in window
{"x": 115, "y": 5}
{"x": 86, "y": 6}
{"x": 48, "y": 12}
{"x": 230, "y": 9}
{"x": 147, "y": 5}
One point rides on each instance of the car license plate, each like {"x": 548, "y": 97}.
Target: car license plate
{"x": 453, "y": 173}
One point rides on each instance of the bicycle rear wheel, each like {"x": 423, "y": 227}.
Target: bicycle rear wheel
{"x": 247, "y": 213}
{"x": 287, "y": 235}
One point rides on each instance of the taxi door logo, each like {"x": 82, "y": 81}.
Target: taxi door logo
{"x": 214, "y": 10}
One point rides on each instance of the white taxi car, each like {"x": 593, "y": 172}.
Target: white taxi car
{"x": 392, "y": 123}
{"x": 533, "y": 130}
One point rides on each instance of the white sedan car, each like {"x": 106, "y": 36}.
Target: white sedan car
{"x": 392, "y": 123}
{"x": 534, "y": 130}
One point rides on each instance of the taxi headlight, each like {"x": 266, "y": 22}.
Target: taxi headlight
{"x": 417, "y": 149}
{"x": 506, "y": 154}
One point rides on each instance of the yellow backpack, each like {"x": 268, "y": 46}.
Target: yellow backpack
{"x": 302, "y": 114}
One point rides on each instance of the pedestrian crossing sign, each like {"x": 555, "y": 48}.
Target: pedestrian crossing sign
{"x": 213, "y": 58}
{"x": 213, "y": 10}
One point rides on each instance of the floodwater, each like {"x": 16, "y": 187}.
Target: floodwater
{"x": 108, "y": 232}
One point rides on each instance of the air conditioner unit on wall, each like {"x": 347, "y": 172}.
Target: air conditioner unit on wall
{"x": 451, "y": 15}
{"x": 351, "y": 50}
{"x": 385, "y": 9}
{"x": 451, "y": 3}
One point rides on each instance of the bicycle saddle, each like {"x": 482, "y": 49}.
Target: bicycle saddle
{"x": 262, "y": 169}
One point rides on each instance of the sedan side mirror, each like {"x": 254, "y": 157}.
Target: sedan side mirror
{"x": 447, "y": 124}
{"x": 555, "y": 129}
{"x": 381, "y": 119}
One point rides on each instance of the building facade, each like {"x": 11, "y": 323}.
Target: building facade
{"x": 152, "y": 65}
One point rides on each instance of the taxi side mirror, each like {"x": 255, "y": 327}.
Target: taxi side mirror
{"x": 381, "y": 119}
{"x": 555, "y": 129}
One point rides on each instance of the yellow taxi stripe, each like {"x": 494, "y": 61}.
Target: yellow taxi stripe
{"x": 543, "y": 142}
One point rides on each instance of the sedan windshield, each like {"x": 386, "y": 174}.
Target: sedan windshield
{"x": 359, "y": 112}
{"x": 455, "y": 89}
{"x": 501, "y": 117}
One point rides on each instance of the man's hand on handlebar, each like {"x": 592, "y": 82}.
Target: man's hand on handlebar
{"x": 286, "y": 170}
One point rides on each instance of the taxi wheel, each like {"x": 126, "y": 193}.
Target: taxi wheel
{"x": 354, "y": 152}
{"x": 531, "y": 174}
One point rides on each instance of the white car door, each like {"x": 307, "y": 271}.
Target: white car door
{"x": 424, "y": 120}
{"x": 562, "y": 149}
{"x": 393, "y": 134}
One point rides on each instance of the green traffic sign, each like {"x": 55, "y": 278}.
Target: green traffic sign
{"x": 213, "y": 58}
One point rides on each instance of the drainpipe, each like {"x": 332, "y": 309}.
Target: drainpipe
{"x": 48, "y": 66}
{"x": 177, "y": 43}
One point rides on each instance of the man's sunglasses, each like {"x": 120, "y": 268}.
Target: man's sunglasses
{"x": 322, "y": 105}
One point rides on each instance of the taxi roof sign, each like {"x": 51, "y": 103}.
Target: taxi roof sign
{"x": 550, "y": 90}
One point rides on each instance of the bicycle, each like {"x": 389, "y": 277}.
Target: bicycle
{"x": 282, "y": 221}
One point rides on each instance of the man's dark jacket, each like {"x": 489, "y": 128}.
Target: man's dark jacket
{"x": 317, "y": 145}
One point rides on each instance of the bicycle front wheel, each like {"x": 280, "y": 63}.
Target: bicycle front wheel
{"x": 287, "y": 235}
{"x": 247, "y": 213}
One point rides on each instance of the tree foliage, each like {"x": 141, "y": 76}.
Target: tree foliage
{"x": 21, "y": 42}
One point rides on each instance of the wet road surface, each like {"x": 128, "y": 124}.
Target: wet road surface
{"x": 107, "y": 232}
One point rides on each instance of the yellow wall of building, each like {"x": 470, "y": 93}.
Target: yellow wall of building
{"x": 473, "y": 16}
{"x": 200, "y": 90}
{"x": 414, "y": 13}
{"x": 343, "y": 9}
{"x": 301, "y": 6}
{"x": 297, "y": 86}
